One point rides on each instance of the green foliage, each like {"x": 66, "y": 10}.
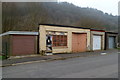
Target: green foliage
{"x": 2, "y": 57}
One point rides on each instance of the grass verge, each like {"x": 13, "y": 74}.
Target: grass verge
{"x": 2, "y": 57}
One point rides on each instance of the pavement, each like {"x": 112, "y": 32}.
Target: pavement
{"x": 100, "y": 66}
{"x": 61, "y": 56}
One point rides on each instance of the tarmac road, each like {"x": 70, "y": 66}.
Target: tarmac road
{"x": 105, "y": 66}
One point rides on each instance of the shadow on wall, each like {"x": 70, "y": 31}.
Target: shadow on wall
{"x": 119, "y": 24}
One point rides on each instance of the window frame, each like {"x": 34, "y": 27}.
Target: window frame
{"x": 57, "y": 40}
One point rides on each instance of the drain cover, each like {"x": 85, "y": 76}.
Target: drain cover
{"x": 103, "y": 53}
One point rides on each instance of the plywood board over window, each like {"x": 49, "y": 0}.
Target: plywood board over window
{"x": 59, "y": 40}
{"x": 79, "y": 42}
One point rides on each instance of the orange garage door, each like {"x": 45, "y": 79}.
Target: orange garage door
{"x": 79, "y": 42}
{"x": 23, "y": 45}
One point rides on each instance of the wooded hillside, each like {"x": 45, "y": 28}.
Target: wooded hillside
{"x": 27, "y": 16}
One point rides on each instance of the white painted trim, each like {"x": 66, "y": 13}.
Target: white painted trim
{"x": 19, "y": 33}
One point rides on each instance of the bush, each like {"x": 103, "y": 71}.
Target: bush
{"x": 2, "y": 57}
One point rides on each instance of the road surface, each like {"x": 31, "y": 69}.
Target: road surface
{"x": 104, "y": 66}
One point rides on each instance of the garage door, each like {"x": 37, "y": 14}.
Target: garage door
{"x": 96, "y": 42}
{"x": 79, "y": 42}
{"x": 23, "y": 45}
{"x": 111, "y": 42}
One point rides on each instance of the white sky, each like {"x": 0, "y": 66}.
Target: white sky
{"x": 107, "y": 6}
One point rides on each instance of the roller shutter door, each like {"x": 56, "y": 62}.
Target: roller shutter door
{"x": 111, "y": 42}
{"x": 23, "y": 45}
{"x": 96, "y": 42}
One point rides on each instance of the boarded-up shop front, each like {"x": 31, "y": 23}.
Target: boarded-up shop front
{"x": 16, "y": 43}
{"x": 111, "y": 40}
{"x": 97, "y": 39}
{"x": 62, "y": 39}
{"x": 55, "y": 39}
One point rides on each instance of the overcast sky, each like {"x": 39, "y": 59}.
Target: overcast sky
{"x": 107, "y": 6}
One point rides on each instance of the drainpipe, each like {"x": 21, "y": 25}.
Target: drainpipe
{"x": 38, "y": 41}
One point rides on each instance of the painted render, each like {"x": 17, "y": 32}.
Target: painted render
{"x": 109, "y": 34}
{"x": 103, "y": 39}
{"x": 68, "y": 49}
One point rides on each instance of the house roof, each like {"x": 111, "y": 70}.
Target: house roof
{"x": 19, "y": 33}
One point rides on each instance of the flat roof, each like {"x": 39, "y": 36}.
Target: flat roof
{"x": 97, "y": 30}
{"x": 57, "y": 25}
{"x": 112, "y": 32}
{"x": 19, "y": 33}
